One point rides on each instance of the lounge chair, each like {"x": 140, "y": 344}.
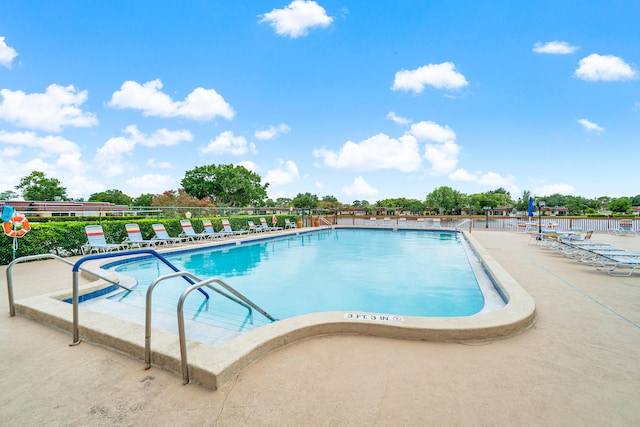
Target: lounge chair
{"x": 625, "y": 228}
{"x": 386, "y": 221}
{"x": 253, "y": 228}
{"x": 226, "y": 226}
{"x": 211, "y": 232}
{"x": 98, "y": 243}
{"x": 435, "y": 222}
{"x": 402, "y": 222}
{"x": 373, "y": 220}
{"x": 613, "y": 264}
{"x": 161, "y": 235}
{"x": 289, "y": 224}
{"x": 189, "y": 232}
{"x": 134, "y": 237}
{"x": 420, "y": 222}
{"x": 266, "y": 227}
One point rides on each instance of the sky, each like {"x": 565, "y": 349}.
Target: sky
{"x": 360, "y": 100}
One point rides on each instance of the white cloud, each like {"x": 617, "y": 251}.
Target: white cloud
{"x": 432, "y": 131}
{"x": 228, "y": 143}
{"x": 319, "y": 185}
{"x": 153, "y": 163}
{"x": 554, "y": 48}
{"x": 590, "y": 126}
{"x": 489, "y": 179}
{"x": 249, "y": 165}
{"x": 297, "y": 18}
{"x": 7, "y": 53}
{"x": 161, "y": 137}
{"x": 443, "y": 157}
{"x": 201, "y": 104}
{"x": 152, "y": 183}
{"x": 58, "y": 107}
{"x": 606, "y": 68}
{"x": 397, "y": 119}
{"x": 440, "y": 76}
{"x": 287, "y": 173}
{"x": 378, "y": 152}
{"x": 271, "y": 132}
{"x": 359, "y": 187}
{"x": 48, "y": 145}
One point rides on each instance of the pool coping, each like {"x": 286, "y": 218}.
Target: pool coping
{"x": 215, "y": 366}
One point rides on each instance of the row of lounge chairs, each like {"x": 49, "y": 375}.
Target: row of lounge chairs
{"x": 602, "y": 256}
{"x": 97, "y": 242}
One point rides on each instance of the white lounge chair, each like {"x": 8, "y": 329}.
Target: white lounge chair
{"x": 161, "y": 235}
{"x": 98, "y": 243}
{"x": 189, "y": 232}
{"x": 135, "y": 239}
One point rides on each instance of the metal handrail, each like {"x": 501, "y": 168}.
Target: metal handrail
{"x": 327, "y": 223}
{"x": 200, "y": 282}
{"x": 464, "y": 222}
{"x": 183, "y": 340}
{"x": 76, "y": 267}
{"x": 12, "y": 309}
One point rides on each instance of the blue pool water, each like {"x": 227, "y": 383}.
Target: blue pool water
{"x": 403, "y": 272}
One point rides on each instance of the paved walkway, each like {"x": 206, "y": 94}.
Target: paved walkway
{"x": 578, "y": 366}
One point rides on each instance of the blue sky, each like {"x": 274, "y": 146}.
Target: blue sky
{"x": 362, "y": 100}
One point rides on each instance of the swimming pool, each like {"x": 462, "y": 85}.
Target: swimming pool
{"x": 401, "y": 272}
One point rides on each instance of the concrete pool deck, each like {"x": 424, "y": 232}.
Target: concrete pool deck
{"x": 578, "y": 365}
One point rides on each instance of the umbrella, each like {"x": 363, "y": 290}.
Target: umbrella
{"x": 530, "y": 209}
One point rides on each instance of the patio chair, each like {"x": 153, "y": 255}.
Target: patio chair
{"x": 435, "y": 222}
{"x": 97, "y": 242}
{"x": 625, "y": 228}
{"x": 402, "y": 222}
{"x": 373, "y": 220}
{"x": 289, "y": 224}
{"x": 253, "y": 228}
{"x": 211, "y": 232}
{"x": 226, "y": 226}
{"x": 266, "y": 227}
{"x": 613, "y": 264}
{"x": 420, "y": 222}
{"x": 386, "y": 221}
{"x": 189, "y": 232}
{"x": 161, "y": 235}
{"x": 134, "y": 237}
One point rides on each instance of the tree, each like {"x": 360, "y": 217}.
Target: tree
{"x": 442, "y": 198}
{"x": 179, "y": 198}
{"x": 143, "y": 200}
{"x": 116, "y": 197}
{"x": 36, "y": 186}
{"x": 306, "y": 200}
{"x": 226, "y": 185}
{"x": 283, "y": 201}
{"x": 620, "y": 205}
{"x": 9, "y": 195}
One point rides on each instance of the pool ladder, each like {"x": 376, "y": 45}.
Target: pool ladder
{"x": 196, "y": 284}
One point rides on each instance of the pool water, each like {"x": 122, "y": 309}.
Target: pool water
{"x": 403, "y": 272}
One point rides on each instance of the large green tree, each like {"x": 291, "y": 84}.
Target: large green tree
{"x": 143, "y": 200}
{"x": 306, "y": 200}
{"x": 442, "y": 198}
{"x": 620, "y": 205}
{"x": 225, "y": 185}
{"x": 36, "y": 186}
{"x": 116, "y": 197}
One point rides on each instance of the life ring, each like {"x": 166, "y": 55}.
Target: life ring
{"x": 18, "y": 226}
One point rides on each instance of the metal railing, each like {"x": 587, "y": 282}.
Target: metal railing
{"x": 464, "y": 222}
{"x": 325, "y": 221}
{"x": 76, "y": 268}
{"x": 12, "y": 310}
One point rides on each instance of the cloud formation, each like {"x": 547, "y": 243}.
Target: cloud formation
{"x": 554, "y": 48}
{"x": 200, "y": 105}
{"x": 440, "y": 76}
{"x": 271, "y": 132}
{"x": 397, "y": 119}
{"x": 378, "y": 152}
{"x": 607, "y": 68}
{"x": 287, "y": 173}
{"x": 52, "y": 111}
{"x": 228, "y": 143}
{"x": 47, "y": 145}
{"x": 590, "y": 126}
{"x": 359, "y": 187}
{"x": 296, "y": 19}
{"x": 7, "y": 54}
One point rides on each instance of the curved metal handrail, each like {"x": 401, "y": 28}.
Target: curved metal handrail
{"x": 76, "y": 268}
{"x": 181, "y": 333}
{"x": 147, "y": 328}
{"x": 464, "y": 222}
{"x": 12, "y": 309}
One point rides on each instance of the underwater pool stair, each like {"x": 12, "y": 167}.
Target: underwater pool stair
{"x": 204, "y": 326}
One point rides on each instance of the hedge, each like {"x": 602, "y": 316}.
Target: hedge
{"x": 67, "y": 238}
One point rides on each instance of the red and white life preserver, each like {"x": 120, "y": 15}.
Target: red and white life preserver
{"x": 17, "y": 226}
